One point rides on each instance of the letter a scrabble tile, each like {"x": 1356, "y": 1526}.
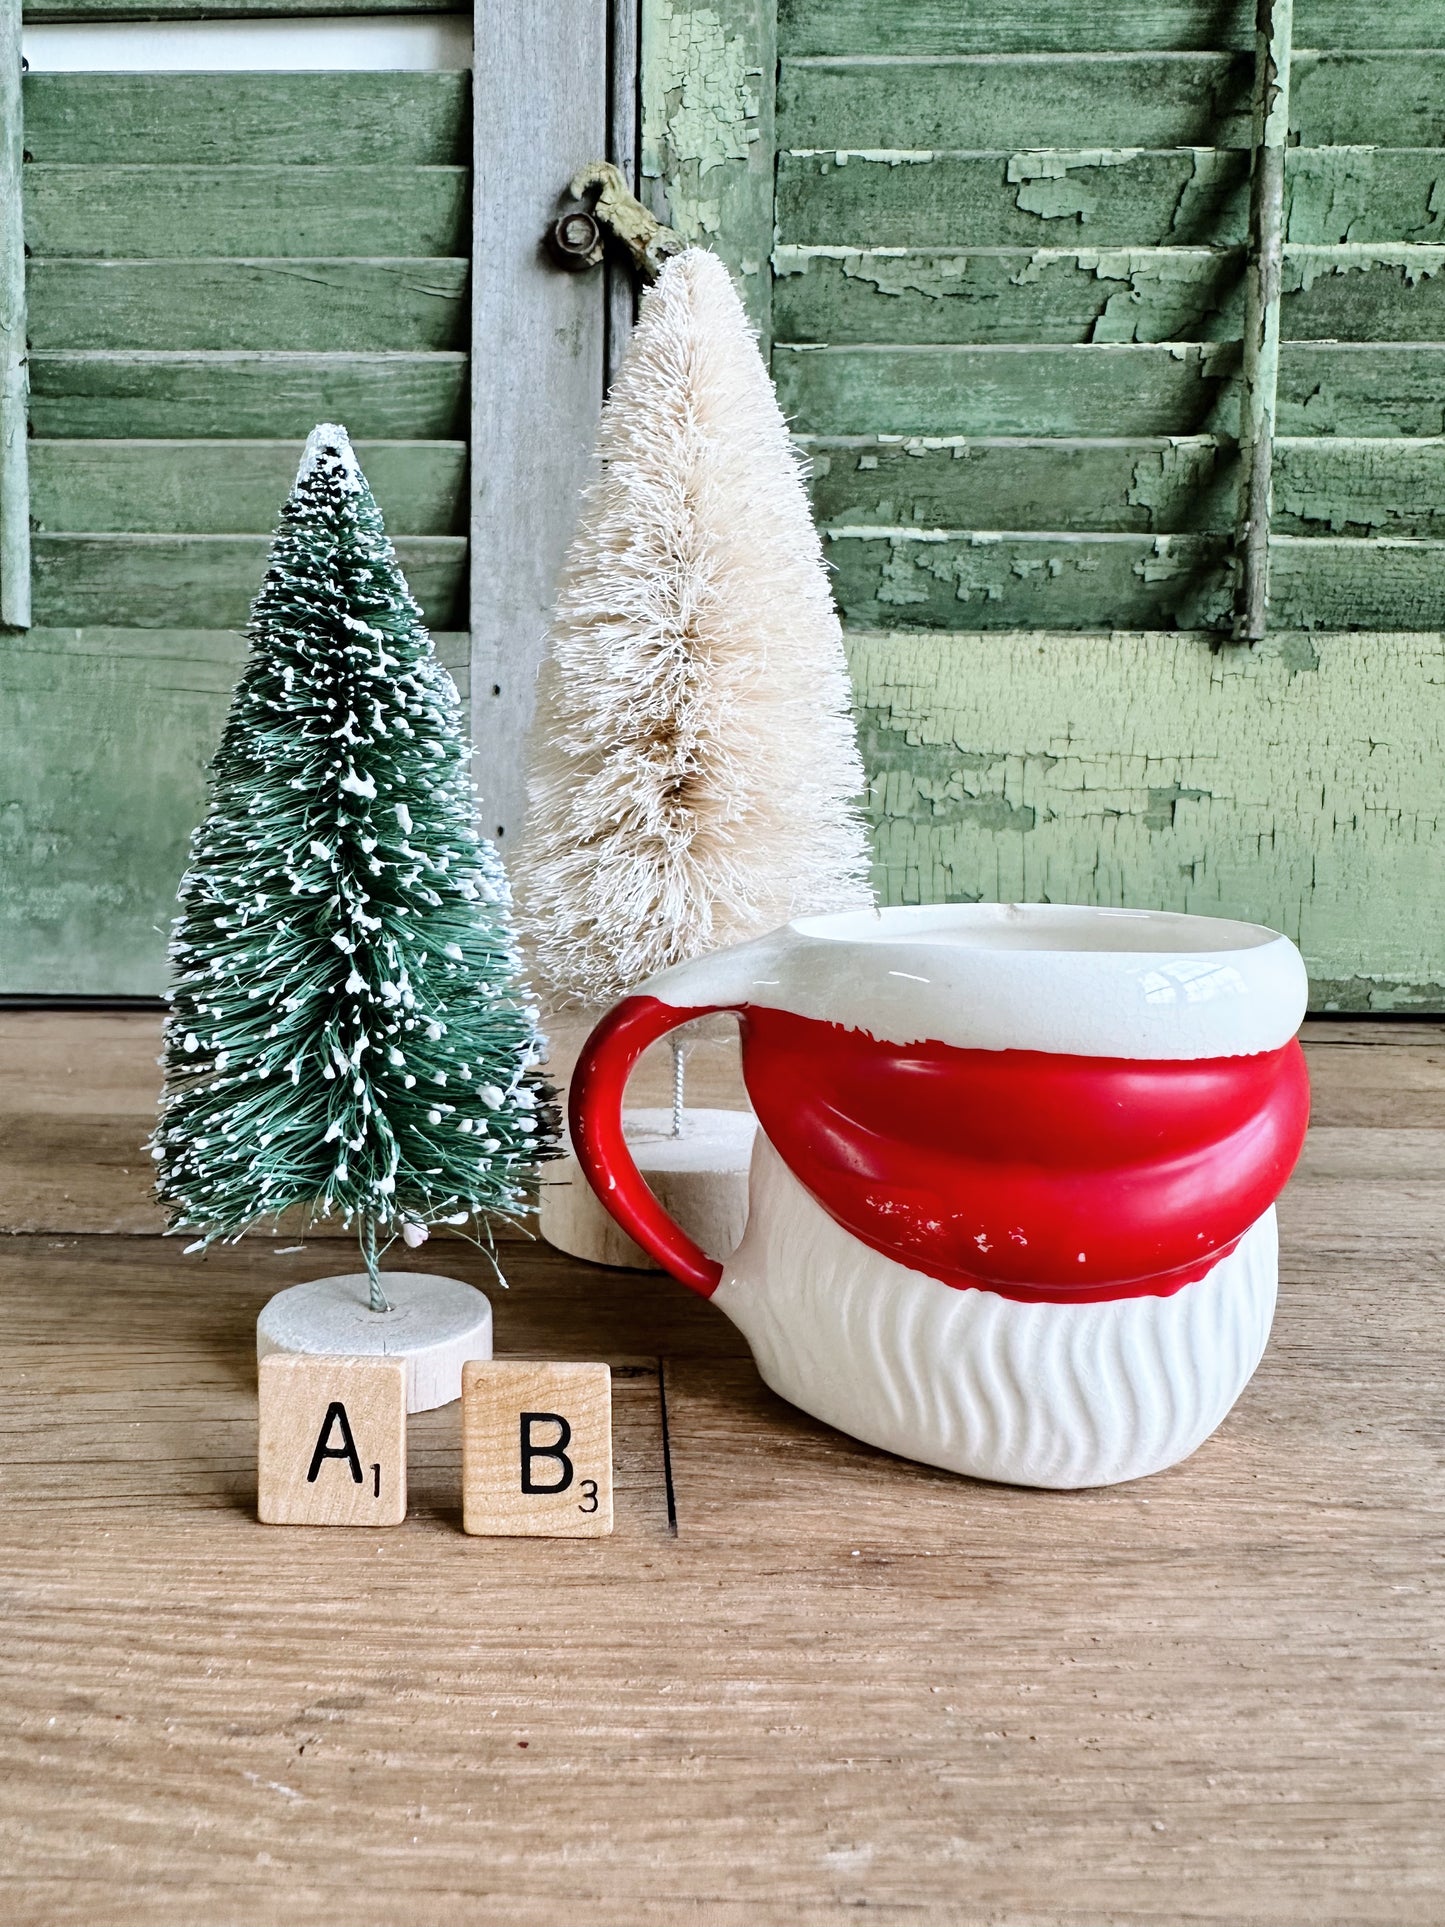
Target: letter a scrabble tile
{"x": 536, "y": 1449}
{"x": 333, "y": 1441}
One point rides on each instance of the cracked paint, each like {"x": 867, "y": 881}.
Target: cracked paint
{"x": 1056, "y": 185}
{"x": 1231, "y": 783}
{"x": 707, "y": 131}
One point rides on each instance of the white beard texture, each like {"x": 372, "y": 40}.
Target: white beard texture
{"x": 694, "y": 767}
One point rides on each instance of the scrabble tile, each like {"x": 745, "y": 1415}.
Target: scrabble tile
{"x": 536, "y": 1449}
{"x": 333, "y": 1441}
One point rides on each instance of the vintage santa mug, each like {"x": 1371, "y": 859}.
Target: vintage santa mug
{"x": 1011, "y": 1205}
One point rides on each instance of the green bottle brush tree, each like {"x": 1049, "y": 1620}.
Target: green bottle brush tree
{"x": 349, "y": 1032}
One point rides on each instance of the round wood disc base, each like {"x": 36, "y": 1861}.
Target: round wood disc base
{"x": 700, "y": 1178}
{"x": 436, "y": 1324}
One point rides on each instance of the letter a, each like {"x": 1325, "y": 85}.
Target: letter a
{"x": 335, "y": 1415}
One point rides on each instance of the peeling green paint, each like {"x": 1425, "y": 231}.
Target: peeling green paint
{"x": 708, "y": 77}
{"x": 1348, "y": 194}
{"x": 1228, "y": 783}
{"x": 700, "y": 109}
{"x": 1303, "y": 266}
{"x": 1048, "y": 185}
{"x": 1163, "y": 806}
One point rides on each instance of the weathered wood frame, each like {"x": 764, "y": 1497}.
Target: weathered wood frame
{"x": 542, "y": 342}
{"x": 14, "y": 411}
{"x": 1264, "y": 272}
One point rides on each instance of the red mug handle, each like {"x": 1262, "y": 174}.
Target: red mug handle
{"x": 594, "y": 1116}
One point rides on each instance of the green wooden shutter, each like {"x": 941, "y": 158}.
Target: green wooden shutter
{"x": 1001, "y": 269}
{"x": 216, "y": 262}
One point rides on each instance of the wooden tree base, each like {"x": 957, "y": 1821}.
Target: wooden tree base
{"x": 436, "y": 1324}
{"x": 700, "y": 1178}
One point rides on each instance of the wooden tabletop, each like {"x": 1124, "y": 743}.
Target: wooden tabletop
{"x": 801, "y": 1682}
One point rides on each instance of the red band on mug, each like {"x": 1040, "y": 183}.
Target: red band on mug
{"x": 1036, "y": 1175}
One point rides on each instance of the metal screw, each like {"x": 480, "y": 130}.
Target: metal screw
{"x": 575, "y": 239}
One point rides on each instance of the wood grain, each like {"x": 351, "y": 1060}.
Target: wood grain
{"x": 255, "y": 119}
{"x": 295, "y": 306}
{"x": 246, "y": 210}
{"x": 125, "y": 393}
{"x": 538, "y": 340}
{"x": 1084, "y": 26}
{"x": 231, "y": 487}
{"x": 1339, "y": 485}
{"x": 205, "y": 581}
{"x": 845, "y": 1684}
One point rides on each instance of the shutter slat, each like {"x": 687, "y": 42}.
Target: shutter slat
{"x": 173, "y": 581}
{"x": 907, "y": 579}
{"x": 1083, "y": 26}
{"x": 1326, "y": 388}
{"x": 298, "y": 305}
{"x": 1160, "y": 486}
{"x": 230, "y": 487}
{"x": 1101, "y": 198}
{"x": 244, "y": 210}
{"x": 124, "y": 394}
{"x": 300, "y": 119}
{"x": 1106, "y": 100}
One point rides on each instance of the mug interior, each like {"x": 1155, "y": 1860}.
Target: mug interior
{"x": 1065, "y": 928}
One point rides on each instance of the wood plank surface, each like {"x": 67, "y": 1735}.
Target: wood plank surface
{"x": 539, "y": 341}
{"x": 1180, "y": 389}
{"x": 1295, "y": 784}
{"x": 1103, "y": 100}
{"x": 122, "y": 393}
{"x": 1100, "y": 197}
{"x": 297, "y": 306}
{"x": 1340, "y": 485}
{"x": 1038, "y": 100}
{"x": 1114, "y": 389}
{"x": 985, "y": 579}
{"x": 302, "y": 119}
{"x": 709, "y": 143}
{"x": 842, "y": 297}
{"x": 861, "y": 296}
{"x": 916, "y": 578}
{"x": 1115, "y": 197}
{"x": 140, "y": 210}
{"x": 231, "y": 487}
{"x": 1085, "y": 26}
{"x": 1155, "y": 485}
{"x": 205, "y": 581}
{"x": 841, "y": 1684}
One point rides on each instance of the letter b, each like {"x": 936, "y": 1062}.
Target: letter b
{"x": 556, "y": 1451}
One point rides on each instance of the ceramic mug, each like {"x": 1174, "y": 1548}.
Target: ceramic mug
{"x": 1011, "y": 1206}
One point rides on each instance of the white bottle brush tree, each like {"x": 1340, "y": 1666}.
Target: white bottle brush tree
{"x": 349, "y": 1032}
{"x": 694, "y": 766}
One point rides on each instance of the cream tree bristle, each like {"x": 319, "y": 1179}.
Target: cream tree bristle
{"x": 695, "y": 772}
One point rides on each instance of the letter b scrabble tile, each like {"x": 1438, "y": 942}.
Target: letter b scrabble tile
{"x": 536, "y": 1449}
{"x": 333, "y": 1441}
